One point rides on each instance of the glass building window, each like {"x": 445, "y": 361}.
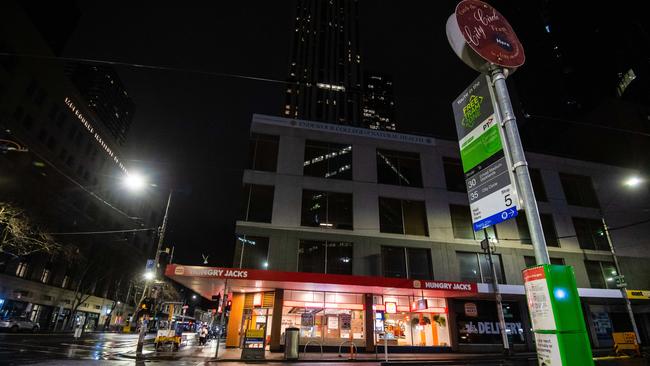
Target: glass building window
{"x": 326, "y": 209}
{"x": 461, "y": 223}
{"x": 317, "y": 256}
{"x": 257, "y": 203}
{"x": 590, "y": 234}
{"x": 538, "y": 185}
{"x": 475, "y": 267}
{"x": 601, "y": 274}
{"x": 65, "y": 282}
{"x": 263, "y": 152}
{"x": 45, "y": 275}
{"x": 548, "y": 226}
{"x": 251, "y": 252}
{"x": 400, "y": 262}
{"x": 399, "y": 168}
{"x": 531, "y": 262}
{"x": 328, "y": 160}
{"x": 454, "y": 176}
{"x": 402, "y": 217}
{"x": 21, "y": 270}
{"x": 579, "y": 190}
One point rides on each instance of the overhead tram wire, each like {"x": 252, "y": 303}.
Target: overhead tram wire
{"x": 91, "y": 193}
{"x": 103, "y": 232}
{"x": 268, "y": 80}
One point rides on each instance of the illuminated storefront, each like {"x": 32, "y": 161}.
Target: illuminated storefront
{"x": 411, "y": 321}
{"x": 329, "y": 310}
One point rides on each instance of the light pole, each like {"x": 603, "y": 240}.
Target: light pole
{"x": 137, "y": 182}
{"x": 631, "y": 182}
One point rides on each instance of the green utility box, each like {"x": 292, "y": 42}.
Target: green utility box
{"x": 556, "y": 316}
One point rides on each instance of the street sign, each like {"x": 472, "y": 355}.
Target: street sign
{"x": 556, "y": 316}
{"x": 482, "y": 28}
{"x": 150, "y": 264}
{"x": 638, "y": 294}
{"x": 492, "y": 196}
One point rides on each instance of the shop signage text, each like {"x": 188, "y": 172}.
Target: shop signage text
{"x": 440, "y": 285}
{"x": 490, "y": 328}
{"x": 210, "y": 272}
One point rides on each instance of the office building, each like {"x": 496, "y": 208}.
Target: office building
{"x": 325, "y": 74}
{"x": 66, "y": 174}
{"x": 349, "y": 233}
{"x": 105, "y": 95}
{"x": 378, "y": 102}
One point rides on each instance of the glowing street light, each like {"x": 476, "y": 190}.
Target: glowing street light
{"x": 633, "y": 181}
{"x": 134, "y": 181}
{"x": 149, "y": 275}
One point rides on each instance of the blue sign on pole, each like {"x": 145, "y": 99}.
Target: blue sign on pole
{"x": 150, "y": 264}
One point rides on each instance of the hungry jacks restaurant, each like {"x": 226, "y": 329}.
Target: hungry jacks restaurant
{"x": 333, "y": 310}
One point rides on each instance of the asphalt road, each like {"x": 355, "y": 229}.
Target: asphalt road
{"x": 119, "y": 349}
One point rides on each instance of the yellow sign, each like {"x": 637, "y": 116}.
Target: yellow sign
{"x": 171, "y": 312}
{"x": 255, "y": 333}
{"x": 625, "y": 341}
{"x": 638, "y": 294}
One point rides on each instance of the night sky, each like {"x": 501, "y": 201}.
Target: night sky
{"x": 189, "y": 130}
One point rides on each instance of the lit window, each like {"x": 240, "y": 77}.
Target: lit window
{"x": 65, "y": 282}
{"x": 45, "y": 276}
{"x": 21, "y": 270}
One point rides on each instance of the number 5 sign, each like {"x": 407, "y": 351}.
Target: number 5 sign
{"x": 492, "y": 196}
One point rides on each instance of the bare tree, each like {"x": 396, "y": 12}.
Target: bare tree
{"x": 88, "y": 273}
{"x": 20, "y": 236}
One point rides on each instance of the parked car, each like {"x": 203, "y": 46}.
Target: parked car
{"x": 14, "y": 324}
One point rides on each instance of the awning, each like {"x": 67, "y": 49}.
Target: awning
{"x": 209, "y": 281}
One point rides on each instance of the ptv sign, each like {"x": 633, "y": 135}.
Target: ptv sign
{"x": 492, "y": 196}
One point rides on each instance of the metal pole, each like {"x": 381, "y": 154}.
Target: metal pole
{"x": 156, "y": 260}
{"x": 162, "y": 232}
{"x": 223, "y": 316}
{"x": 520, "y": 166}
{"x": 241, "y": 257}
{"x": 497, "y": 295}
{"x": 628, "y": 305}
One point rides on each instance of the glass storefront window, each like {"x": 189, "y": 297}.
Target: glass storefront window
{"x": 328, "y": 318}
{"x": 421, "y": 328}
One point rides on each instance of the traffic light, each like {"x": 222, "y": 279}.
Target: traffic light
{"x": 217, "y": 299}
{"x": 228, "y": 305}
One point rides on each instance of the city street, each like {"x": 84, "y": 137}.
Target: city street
{"x": 119, "y": 349}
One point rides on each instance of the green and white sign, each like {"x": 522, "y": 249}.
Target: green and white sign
{"x": 556, "y": 316}
{"x": 492, "y": 196}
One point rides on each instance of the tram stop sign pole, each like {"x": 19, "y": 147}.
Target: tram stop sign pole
{"x": 491, "y": 147}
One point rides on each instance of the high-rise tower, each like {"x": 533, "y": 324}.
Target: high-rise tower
{"x": 325, "y": 72}
{"x": 378, "y": 102}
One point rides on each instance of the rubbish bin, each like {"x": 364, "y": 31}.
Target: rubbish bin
{"x": 291, "y": 343}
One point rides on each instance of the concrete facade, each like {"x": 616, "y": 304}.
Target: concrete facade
{"x": 620, "y": 207}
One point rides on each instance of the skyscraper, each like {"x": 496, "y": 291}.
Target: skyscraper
{"x": 378, "y": 102}
{"x": 105, "y": 95}
{"x": 325, "y": 65}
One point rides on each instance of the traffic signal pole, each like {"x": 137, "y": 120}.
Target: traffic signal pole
{"x": 224, "y": 300}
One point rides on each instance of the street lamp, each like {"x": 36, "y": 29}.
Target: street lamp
{"x": 134, "y": 181}
{"x": 149, "y": 275}
{"x": 631, "y": 182}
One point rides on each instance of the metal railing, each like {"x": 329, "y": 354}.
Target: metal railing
{"x": 352, "y": 346}
{"x": 304, "y": 351}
